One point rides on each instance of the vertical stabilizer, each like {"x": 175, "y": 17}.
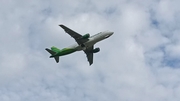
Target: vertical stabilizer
{"x": 55, "y": 49}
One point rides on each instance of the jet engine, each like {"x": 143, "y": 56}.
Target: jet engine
{"x": 95, "y": 50}
{"x": 86, "y": 36}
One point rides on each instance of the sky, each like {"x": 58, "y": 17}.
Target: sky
{"x": 139, "y": 62}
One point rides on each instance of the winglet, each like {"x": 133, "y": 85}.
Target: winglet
{"x": 62, "y": 26}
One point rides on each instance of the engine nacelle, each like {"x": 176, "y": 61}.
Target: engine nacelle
{"x": 86, "y": 36}
{"x": 95, "y": 50}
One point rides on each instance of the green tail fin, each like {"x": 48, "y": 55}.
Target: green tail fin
{"x": 55, "y": 49}
{"x": 52, "y": 53}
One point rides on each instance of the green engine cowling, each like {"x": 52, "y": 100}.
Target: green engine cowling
{"x": 95, "y": 50}
{"x": 86, "y": 36}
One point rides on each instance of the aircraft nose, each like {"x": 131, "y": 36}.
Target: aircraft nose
{"x": 111, "y": 33}
{"x": 108, "y": 34}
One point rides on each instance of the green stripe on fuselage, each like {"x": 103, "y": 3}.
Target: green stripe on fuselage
{"x": 64, "y": 51}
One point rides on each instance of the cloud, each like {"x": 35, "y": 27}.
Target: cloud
{"x": 139, "y": 62}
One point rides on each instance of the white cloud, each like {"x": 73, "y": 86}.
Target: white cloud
{"x": 136, "y": 63}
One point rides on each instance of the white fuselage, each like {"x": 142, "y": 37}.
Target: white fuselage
{"x": 92, "y": 40}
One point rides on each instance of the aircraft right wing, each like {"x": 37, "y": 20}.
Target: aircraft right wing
{"x": 74, "y": 34}
{"x": 89, "y": 54}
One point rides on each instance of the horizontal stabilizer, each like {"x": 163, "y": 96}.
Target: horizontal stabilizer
{"x": 50, "y": 51}
{"x": 56, "y": 58}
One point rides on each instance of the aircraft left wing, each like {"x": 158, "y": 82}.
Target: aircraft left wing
{"x": 74, "y": 34}
{"x": 89, "y": 54}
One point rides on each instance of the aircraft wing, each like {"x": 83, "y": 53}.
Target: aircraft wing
{"x": 89, "y": 54}
{"x": 74, "y": 34}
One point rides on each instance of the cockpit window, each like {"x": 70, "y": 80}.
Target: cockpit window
{"x": 107, "y": 36}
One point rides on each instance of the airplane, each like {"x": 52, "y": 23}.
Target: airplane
{"x": 84, "y": 42}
